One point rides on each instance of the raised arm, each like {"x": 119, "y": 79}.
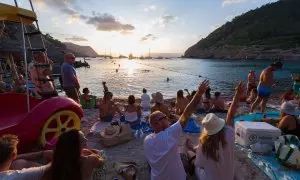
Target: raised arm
{"x": 191, "y": 107}
{"x": 234, "y": 105}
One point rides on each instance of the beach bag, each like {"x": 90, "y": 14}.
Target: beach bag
{"x": 115, "y": 135}
{"x": 287, "y": 151}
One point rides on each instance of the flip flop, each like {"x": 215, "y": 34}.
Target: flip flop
{"x": 128, "y": 169}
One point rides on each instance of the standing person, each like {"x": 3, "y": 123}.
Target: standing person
{"x": 251, "y": 82}
{"x": 8, "y": 153}
{"x": 181, "y": 102}
{"x": 145, "y": 100}
{"x": 161, "y": 147}
{"x": 70, "y": 81}
{"x": 266, "y": 82}
{"x": 215, "y": 152}
{"x": 105, "y": 88}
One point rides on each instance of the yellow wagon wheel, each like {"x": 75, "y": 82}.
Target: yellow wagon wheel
{"x": 58, "y": 123}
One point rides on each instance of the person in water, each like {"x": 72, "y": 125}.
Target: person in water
{"x": 251, "y": 82}
{"x": 181, "y": 102}
{"x": 69, "y": 161}
{"x": 108, "y": 108}
{"x": 266, "y": 82}
{"x": 132, "y": 113}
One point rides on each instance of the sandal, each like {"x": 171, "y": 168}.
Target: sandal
{"x": 128, "y": 169}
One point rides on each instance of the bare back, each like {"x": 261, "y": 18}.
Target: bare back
{"x": 106, "y": 108}
{"x": 181, "y": 105}
{"x": 266, "y": 78}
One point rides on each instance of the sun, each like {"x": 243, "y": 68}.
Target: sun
{"x": 129, "y": 65}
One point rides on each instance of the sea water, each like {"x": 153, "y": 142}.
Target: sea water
{"x": 134, "y": 75}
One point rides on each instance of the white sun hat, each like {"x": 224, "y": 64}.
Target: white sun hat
{"x": 290, "y": 109}
{"x": 212, "y": 124}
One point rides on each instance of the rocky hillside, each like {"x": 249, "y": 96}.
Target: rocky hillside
{"x": 81, "y": 51}
{"x": 269, "y": 32}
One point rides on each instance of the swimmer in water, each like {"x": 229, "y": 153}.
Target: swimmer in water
{"x": 168, "y": 79}
{"x": 117, "y": 70}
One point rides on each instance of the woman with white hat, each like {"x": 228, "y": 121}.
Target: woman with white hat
{"x": 289, "y": 123}
{"x": 215, "y": 153}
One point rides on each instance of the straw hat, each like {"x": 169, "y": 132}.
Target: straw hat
{"x": 212, "y": 124}
{"x": 158, "y": 98}
{"x": 110, "y": 131}
{"x": 290, "y": 109}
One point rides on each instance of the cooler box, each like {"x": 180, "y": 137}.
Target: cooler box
{"x": 247, "y": 133}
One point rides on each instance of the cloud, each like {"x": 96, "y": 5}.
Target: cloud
{"x": 76, "y": 38}
{"x": 164, "y": 20}
{"x": 107, "y": 22}
{"x": 56, "y": 3}
{"x": 150, "y": 8}
{"x": 229, "y": 2}
{"x": 148, "y": 37}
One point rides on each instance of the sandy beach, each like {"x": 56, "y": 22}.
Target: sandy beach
{"x": 133, "y": 150}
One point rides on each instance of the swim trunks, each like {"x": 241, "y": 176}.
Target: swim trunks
{"x": 264, "y": 91}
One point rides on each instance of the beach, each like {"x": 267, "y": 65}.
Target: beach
{"x": 133, "y": 150}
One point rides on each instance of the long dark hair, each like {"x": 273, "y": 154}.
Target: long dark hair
{"x": 207, "y": 93}
{"x": 211, "y": 143}
{"x": 131, "y": 100}
{"x": 66, "y": 157}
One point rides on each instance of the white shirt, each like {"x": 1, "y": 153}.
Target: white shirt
{"x": 34, "y": 173}
{"x": 161, "y": 151}
{"x": 224, "y": 168}
{"x": 145, "y": 100}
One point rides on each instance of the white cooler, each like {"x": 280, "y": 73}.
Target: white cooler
{"x": 247, "y": 133}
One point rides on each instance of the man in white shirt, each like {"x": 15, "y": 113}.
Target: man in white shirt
{"x": 145, "y": 100}
{"x": 161, "y": 147}
{"x": 8, "y": 152}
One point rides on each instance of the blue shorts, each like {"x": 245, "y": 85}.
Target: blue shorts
{"x": 264, "y": 91}
{"x": 296, "y": 88}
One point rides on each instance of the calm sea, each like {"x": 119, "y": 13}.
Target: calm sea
{"x": 134, "y": 75}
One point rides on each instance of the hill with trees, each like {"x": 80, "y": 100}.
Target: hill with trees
{"x": 269, "y": 32}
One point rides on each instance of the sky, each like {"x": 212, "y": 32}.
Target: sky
{"x": 135, "y": 26}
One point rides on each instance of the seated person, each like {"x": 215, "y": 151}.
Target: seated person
{"x": 160, "y": 106}
{"x": 218, "y": 103}
{"x": 244, "y": 95}
{"x": 207, "y": 101}
{"x": 132, "y": 112}
{"x": 161, "y": 147}
{"x": 288, "y": 96}
{"x": 181, "y": 102}
{"x": 19, "y": 86}
{"x": 107, "y": 108}
{"x": 86, "y": 98}
{"x": 288, "y": 121}
{"x": 145, "y": 100}
{"x": 40, "y": 76}
{"x": 8, "y": 151}
{"x": 215, "y": 153}
{"x": 69, "y": 161}
{"x": 252, "y": 97}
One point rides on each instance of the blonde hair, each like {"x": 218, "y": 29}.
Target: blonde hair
{"x": 210, "y": 144}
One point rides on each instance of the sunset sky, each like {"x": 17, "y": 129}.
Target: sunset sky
{"x": 124, "y": 26}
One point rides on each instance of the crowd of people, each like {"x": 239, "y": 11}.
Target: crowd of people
{"x": 211, "y": 158}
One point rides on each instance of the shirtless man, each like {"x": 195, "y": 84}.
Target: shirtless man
{"x": 218, "y": 103}
{"x": 181, "y": 102}
{"x": 108, "y": 108}
{"x": 251, "y": 82}
{"x": 266, "y": 82}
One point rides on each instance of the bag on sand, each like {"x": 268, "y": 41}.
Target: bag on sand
{"x": 115, "y": 135}
{"x": 287, "y": 150}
